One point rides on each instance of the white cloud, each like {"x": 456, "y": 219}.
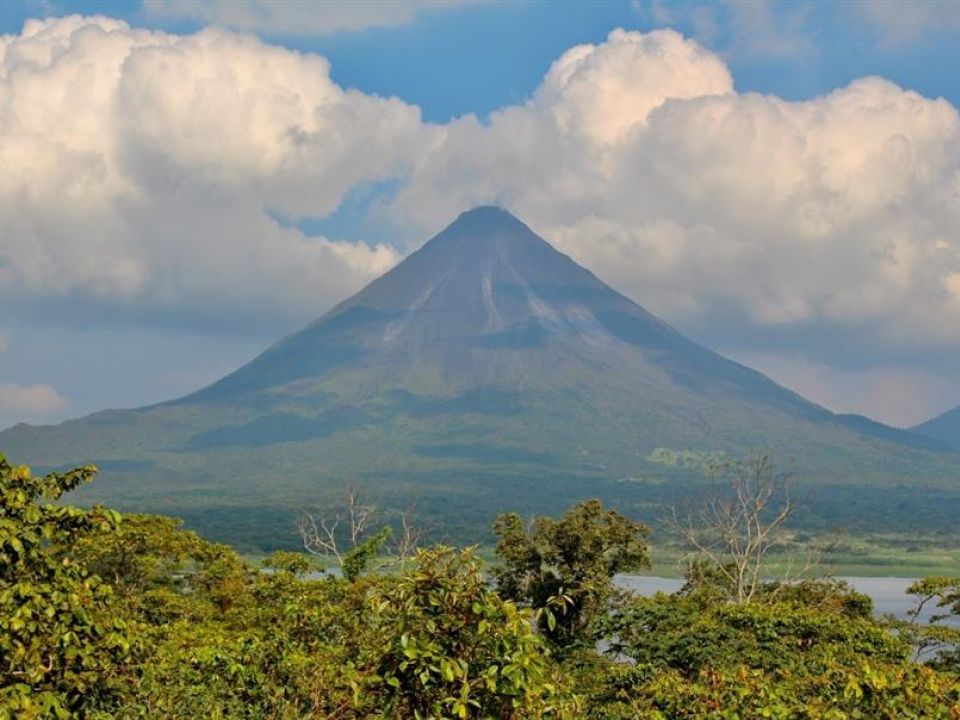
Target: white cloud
{"x": 140, "y": 168}
{"x": 29, "y": 403}
{"x": 296, "y": 17}
{"x": 604, "y": 93}
{"x": 638, "y": 158}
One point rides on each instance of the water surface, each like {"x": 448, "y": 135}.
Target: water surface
{"x": 889, "y": 594}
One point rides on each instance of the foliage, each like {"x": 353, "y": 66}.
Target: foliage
{"x": 564, "y": 568}
{"x": 807, "y": 650}
{"x": 356, "y": 560}
{"x": 451, "y": 647}
{"x": 60, "y": 644}
{"x": 864, "y": 692}
{"x": 217, "y": 638}
{"x": 801, "y": 631}
{"x": 935, "y": 640}
{"x": 294, "y": 563}
{"x": 433, "y": 642}
{"x": 142, "y": 553}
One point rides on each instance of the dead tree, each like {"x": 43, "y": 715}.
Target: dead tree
{"x": 408, "y": 537}
{"x": 734, "y": 531}
{"x": 339, "y": 527}
{"x": 348, "y": 521}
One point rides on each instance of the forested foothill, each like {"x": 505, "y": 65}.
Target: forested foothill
{"x": 104, "y": 615}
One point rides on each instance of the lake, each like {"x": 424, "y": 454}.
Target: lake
{"x": 889, "y": 594}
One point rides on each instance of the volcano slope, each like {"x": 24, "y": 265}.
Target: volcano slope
{"x": 485, "y": 372}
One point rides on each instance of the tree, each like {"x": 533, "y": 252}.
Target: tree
{"x": 340, "y": 527}
{"x": 445, "y": 645}
{"x": 409, "y": 536}
{"x": 344, "y": 530}
{"x": 60, "y": 643}
{"x": 796, "y": 631}
{"x": 142, "y": 553}
{"x": 564, "y": 568}
{"x": 812, "y": 650}
{"x": 294, "y": 563}
{"x": 734, "y": 532}
{"x": 934, "y": 640}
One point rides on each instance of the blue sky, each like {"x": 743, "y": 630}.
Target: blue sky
{"x": 155, "y": 322}
{"x": 496, "y": 53}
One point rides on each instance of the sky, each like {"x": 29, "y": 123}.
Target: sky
{"x": 186, "y": 181}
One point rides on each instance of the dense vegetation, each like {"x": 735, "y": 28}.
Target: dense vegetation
{"x": 103, "y": 615}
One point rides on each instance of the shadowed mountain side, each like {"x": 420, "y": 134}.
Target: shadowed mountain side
{"x": 486, "y": 351}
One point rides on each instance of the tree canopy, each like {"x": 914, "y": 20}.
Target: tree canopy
{"x": 104, "y": 615}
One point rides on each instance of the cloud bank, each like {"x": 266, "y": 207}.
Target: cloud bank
{"x": 146, "y": 170}
{"x": 640, "y": 159}
{"x": 141, "y": 169}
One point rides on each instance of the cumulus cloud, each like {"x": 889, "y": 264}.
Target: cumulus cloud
{"x": 30, "y": 403}
{"x": 296, "y": 17}
{"x": 639, "y": 158}
{"x": 143, "y": 169}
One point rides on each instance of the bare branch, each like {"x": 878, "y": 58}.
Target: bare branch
{"x": 409, "y": 537}
{"x": 340, "y": 527}
{"x": 735, "y": 531}
{"x": 320, "y": 537}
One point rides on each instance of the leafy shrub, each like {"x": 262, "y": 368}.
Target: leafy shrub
{"x": 60, "y": 643}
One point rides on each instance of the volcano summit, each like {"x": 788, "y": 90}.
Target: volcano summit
{"x": 485, "y": 371}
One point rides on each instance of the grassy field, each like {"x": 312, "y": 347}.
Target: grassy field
{"x": 872, "y": 556}
{"x": 875, "y": 556}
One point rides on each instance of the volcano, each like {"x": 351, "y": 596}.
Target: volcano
{"x": 487, "y": 371}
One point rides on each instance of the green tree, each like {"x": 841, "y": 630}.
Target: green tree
{"x": 935, "y": 639}
{"x": 60, "y": 643}
{"x": 294, "y": 563}
{"x": 564, "y": 568}
{"x": 805, "y": 650}
{"x": 802, "y": 630}
{"x": 620, "y": 691}
{"x": 445, "y": 645}
{"x": 359, "y": 557}
{"x": 141, "y": 553}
